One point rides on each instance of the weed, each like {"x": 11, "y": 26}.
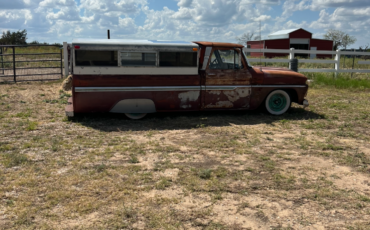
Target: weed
{"x": 9, "y": 202}
{"x": 100, "y": 168}
{"x": 31, "y": 125}
{"x": 51, "y": 101}
{"x": 364, "y": 198}
{"x": 24, "y": 114}
{"x": 133, "y": 159}
{"x": 217, "y": 196}
{"x": 163, "y": 183}
{"x": 332, "y": 147}
{"x": 162, "y": 165}
{"x": 220, "y": 172}
{"x": 243, "y": 206}
{"x": 205, "y": 173}
{"x": 14, "y": 159}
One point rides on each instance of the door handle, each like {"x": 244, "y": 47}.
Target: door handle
{"x": 211, "y": 74}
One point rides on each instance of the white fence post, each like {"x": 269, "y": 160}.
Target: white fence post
{"x": 291, "y": 54}
{"x": 65, "y": 53}
{"x": 337, "y": 64}
{"x": 291, "y": 57}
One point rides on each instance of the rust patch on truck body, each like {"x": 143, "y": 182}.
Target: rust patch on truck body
{"x": 237, "y": 98}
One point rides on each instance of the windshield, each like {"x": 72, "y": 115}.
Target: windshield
{"x": 225, "y": 59}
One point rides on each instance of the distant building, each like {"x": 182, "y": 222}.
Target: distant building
{"x": 299, "y": 39}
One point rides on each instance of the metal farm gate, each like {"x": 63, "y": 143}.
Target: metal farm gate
{"x": 30, "y": 63}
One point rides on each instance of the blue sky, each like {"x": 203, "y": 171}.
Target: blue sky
{"x": 212, "y": 20}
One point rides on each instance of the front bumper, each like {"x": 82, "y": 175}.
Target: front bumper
{"x": 305, "y": 103}
{"x": 69, "y": 108}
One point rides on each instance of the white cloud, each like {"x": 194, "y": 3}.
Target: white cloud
{"x": 291, "y": 6}
{"x": 262, "y": 18}
{"x": 127, "y": 26}
{"x": 217, "y": 20}
{"x": 184, "y": 3}
{"x": 14, "y": 18}
{"x": 317, "y": 4}
{"x": 56, "y": 3}
{"x": 122, "y": 6}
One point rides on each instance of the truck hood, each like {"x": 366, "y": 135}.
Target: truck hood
{"x": 282, "y": 76}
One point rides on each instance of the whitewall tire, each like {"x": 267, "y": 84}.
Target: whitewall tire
{"x": 135, "y": 116}
{"x": 277, "y": 102}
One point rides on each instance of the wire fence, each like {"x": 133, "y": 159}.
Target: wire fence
{"x": 30, "y": 63}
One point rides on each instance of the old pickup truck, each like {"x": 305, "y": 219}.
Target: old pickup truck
{"x": 137, "y": 77}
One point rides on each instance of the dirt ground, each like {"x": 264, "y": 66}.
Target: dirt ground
{"x": 307, "y": 169}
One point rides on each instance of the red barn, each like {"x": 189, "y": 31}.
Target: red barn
{"x": 299, "y": 39}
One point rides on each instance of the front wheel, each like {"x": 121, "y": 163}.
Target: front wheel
{"x": 277, "y": 102}
{"x": 135, "y": 116}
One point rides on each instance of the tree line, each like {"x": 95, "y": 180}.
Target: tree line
{"x": 20, "y": 38}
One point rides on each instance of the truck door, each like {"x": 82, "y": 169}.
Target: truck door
{"x": 227, "y": 80}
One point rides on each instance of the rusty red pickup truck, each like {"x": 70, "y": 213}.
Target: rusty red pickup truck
{"x": 137, "y": 77}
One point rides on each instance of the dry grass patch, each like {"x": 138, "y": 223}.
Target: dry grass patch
{"x": 208, "y": 170}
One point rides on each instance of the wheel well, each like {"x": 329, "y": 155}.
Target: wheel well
{"x": 134, "y": 106}
{"x": 293, "y": 94}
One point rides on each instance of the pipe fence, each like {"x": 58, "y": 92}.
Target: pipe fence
{"x": 30, "y": 63}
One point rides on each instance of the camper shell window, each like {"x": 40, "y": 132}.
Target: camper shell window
{"x": 96, "y": 58}
{"x": 138, "y": 59}
{"x": 178, "y": 59}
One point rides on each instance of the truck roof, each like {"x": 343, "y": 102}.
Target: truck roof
{"x": 132, "y": 42}
{"x": 221, "y": 44}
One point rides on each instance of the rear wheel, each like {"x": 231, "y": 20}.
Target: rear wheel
{"x": 277, "y": 102}
{"x": 135, "y": 116}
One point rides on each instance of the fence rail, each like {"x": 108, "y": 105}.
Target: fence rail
{"x": 292, "y": 52}
{"x": 30, "y": 63}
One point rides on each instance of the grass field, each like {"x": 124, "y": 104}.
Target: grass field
{"x": 307, "y": 169}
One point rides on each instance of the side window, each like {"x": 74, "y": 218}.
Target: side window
{"x": 178, "y": 59}
{"x": 225, "y": 59}
{"x": 96, "y": 58}
{"x": 138, "y": 59}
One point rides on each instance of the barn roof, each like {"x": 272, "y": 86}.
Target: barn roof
{"x": 284, "y": 33}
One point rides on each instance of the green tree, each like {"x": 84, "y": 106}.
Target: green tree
{"x": 14, "y": 38}
{"x": 247, "y": 37}
{"x": 340, "y": 38}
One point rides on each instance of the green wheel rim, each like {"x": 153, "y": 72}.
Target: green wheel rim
{"x": 277, "y": 102}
